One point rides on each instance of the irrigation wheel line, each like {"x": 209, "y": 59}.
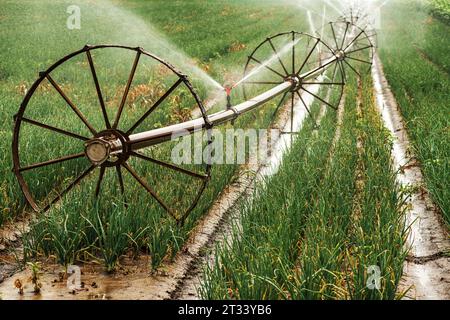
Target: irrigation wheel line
{"x": 114, "y": 145}
{"x": 91, "y": 146}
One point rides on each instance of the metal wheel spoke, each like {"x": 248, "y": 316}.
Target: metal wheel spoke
{"x": 354, "y": 39}
{"x": 148, "y": 188}
{"x": 262, "y": 82}
{"x": 170, "y": 166}
{"x": 364, "y": 38}
{"x": 267, "y": 67}
{"x": 354, "y": 70}
{"x": 341, "y": 65}
{"x": 363, "y": 61}
{"x": 279, "y": 104}
{"x": 70, "y": 186}
{"x": 98, "y": 89}
{"x": 157, "y": 103}
{"x": 318, "y": 98}
{"x": 334, "y": 35}
{"x": 45, "y": 126}
{"x": 99, "y": 182}
{"x": 278, "y": 56}
{"x": 119, "y": 176}
{"x": 54, "y": 161}
{"x": 70, "y": 103}
{"x": 334, "y": 74}
{"x": 307, "y": 109}
{"x": 356, "y": 50}
{"x": 127, "y": 89}
{"x": 308, "y": 56}
{"x": 325, "y": 83}
{"x": 293, "y": 52}
{"x": 345, "y": 34}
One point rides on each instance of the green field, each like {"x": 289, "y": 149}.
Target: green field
{"x": 418, "y": 68}
{"x": 327, "y": 229}
{"x": 441, "y": 9}
{"x": 331, "y": 222}
{"x": 310, "y": 231}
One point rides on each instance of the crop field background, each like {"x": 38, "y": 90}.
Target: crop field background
{"x": 422, "y": 88}
{"x": 330, "y": 222}
{"x": 307, "y": 251}
{"x": 309, "y": 231}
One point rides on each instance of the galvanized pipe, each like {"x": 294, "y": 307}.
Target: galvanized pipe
{"x": 152, "y": 137}
{"x": 156, "y": 136}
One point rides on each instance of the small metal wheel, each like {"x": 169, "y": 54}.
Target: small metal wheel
{"x": 351, "y": 43}
{"x": 295, "y": 55}
{"x": 107, "y": 93}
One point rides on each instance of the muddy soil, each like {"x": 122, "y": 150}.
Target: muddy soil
{"x": 11, "y": 245}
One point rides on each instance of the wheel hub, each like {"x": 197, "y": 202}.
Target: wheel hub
{"x": 97, "y": 151}
{"x": 296, "y": 82}
{"x": 102, "y": 149}
{"x": 340, "y": 55}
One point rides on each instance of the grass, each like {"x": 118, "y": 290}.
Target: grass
{"x": 441, "y": 9}
{"x": 315, "y": 236}
{"x": 421, "y": 86}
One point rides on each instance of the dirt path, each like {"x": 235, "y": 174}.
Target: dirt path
{"x": 360, "y": 180}
{"x": 427, "y": 269}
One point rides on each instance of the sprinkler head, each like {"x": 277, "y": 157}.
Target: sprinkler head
{"x": 228, "y": 90}
{"x": 228, "y": 93}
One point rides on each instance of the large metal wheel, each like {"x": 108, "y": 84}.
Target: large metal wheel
{"x": 351, "y": 43}
{"x": 295, "y": 55}
{"x": 106, "y": 92}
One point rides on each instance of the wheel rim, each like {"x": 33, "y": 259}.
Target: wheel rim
{"x": 344, "y": 35}
{"x": 114, "y": 127}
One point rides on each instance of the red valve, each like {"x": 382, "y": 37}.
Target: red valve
{"x": 228, "y": 90}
